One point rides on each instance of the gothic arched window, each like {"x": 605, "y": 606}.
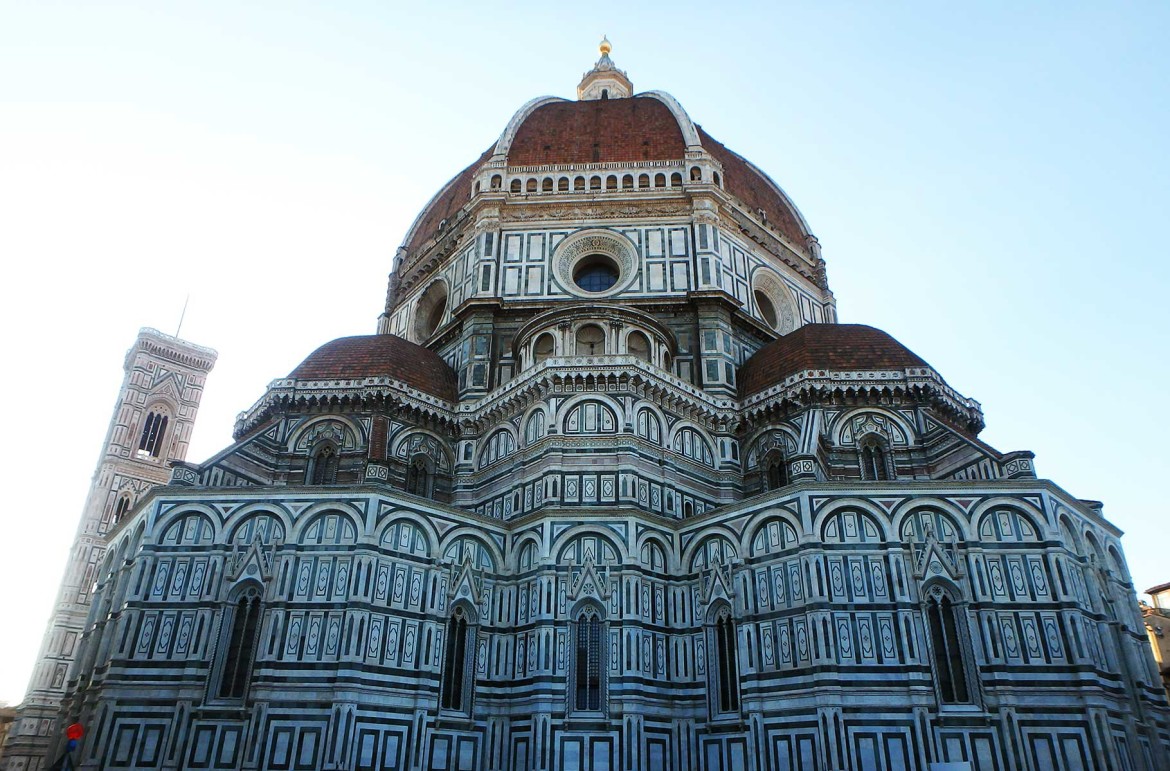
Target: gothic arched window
{"x": 534, "y": 428}
{"x": 874, "y": 463}
{"x": 725, "y": 664}
{"x": 240, "y": 653}
{"x": 153, "y": 432}
{"x": 121, "y": 509}
{"x": 588, "y": 675}
{"x": 323, "y": 468}
{"x": 947, "y": 649}
{"x": 775, "y": 470}
{"x": 418, "y": 477}
{"x": 455, "y": 693}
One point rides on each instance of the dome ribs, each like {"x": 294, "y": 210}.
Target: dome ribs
{"x": 755, "y": 192}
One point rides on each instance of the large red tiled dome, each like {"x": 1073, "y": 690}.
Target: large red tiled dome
{"x": 828, "y": 347}
{"x": 366, "y": 356}
{"x": 648, "y": 127}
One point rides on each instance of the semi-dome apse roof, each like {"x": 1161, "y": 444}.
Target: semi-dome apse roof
{"x": 826, "y": 347}
{"x": 368, "y": 356}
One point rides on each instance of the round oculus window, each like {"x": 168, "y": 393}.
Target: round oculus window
{"x": 767, "y": 310}
{"x": 596, "y": 273}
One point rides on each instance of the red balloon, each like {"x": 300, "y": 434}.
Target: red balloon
{"x": 75, "y": 731}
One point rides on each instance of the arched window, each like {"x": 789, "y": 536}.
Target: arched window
{"x": 121, "y": 509}
{"x": 153, "y": 432}
{"x": 726, "y": 664}
{"x": 516, "y": 186}
{"x": 775, "y": 470}
{"x": 534, "y": 428}
{"x": 638, "y": 345}
{"x": 531, "y": 186}
{"x": 648, "y": 426}
{"x": 323, "y": 468}
{"x": 547, "y": 185}
{"x": 497, "y": 180}
{"x": 418, "y": 477}
{"x": 590, "y": 340}
{"x": 643, "y": 180}
{"x": 676, "y": 180}
{"x": 946, "y": 648}
{"x": 455, "y": 693}
{"x": 544, "y": 347}
{"x": 241, "y": 646}
{"x": 874, "y": 464}
{"x": 691, "y": 444}
{"x": 588, "y": 674}
{"x": 563, "y": 185}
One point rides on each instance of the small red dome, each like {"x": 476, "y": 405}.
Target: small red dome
{"x": 831, "y": 347}
{"x": 366, "y": 356}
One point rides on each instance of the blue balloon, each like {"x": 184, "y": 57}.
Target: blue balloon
{"x": 71, "y": 745}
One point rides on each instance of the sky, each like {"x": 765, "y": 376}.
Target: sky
{"x": 989, "y": 183}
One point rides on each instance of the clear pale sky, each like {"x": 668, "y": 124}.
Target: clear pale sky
{"x": 989, "y": 184}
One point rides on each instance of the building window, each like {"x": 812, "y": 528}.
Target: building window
{"x": 241, "y": 647}
{"x": 418, "y": 477}
{"x": 588, "y": 677}
{"x": 775, "y": 470}
{"x": 153, "y": 432}
{"x": 726, "y": 664}
{"x": 323, "y": 468}
{"x": 455, "y": 693}
{"x": 874, "y": 464}
{"x": 946, "y": 646}
{"x": 121, "y": 509}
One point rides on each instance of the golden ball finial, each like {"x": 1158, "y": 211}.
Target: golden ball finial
{"x": 605, "y": 46}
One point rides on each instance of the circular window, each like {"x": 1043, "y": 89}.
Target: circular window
{"x": 596, "y": 273}
{"x": 595, "y": 264}
{"x": 767, "y": 310}
{"x": 431, "y": 307}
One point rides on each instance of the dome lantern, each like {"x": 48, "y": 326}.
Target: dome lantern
{"x": 604, "y": 81}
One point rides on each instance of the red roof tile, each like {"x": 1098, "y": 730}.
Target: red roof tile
{"x": 835, "y": 347}
{"x": 354, "y": 358}
{"x": 745, "y": 183}
{"x": 640, "y": 128}
{"x": 454, "y": 198}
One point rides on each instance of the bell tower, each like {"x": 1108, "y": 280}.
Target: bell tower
{"x": 151, "y": 426}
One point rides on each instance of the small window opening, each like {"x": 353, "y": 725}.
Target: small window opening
{"x": 874, "y": 464}
{"x": 455, "y": 670}
{"x": 587, "y": 692}
{"x": 153, "y": 431}
{"x": 727, "y": 663}
{"x": 323, "y": 470}
{"x": 418, "y": 477}
{"x": 241, "y": 648}
{"x": 947, "y": 651}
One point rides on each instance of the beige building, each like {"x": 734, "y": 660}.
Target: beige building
{"x": 1157, "y": 620}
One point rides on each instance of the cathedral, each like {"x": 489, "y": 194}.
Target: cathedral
{"x": 608, "y": 489}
